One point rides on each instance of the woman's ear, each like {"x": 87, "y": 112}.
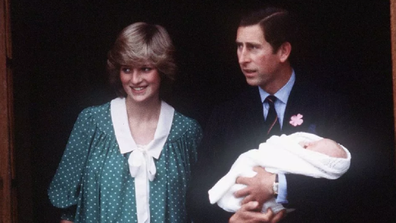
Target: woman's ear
{"x": 284, "y": 51}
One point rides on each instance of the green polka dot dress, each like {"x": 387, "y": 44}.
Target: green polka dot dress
{"x": 93, "y": 182}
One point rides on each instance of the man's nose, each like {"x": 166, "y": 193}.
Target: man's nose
{"x": 243, "y": 56}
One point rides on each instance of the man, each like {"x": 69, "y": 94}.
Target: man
{"x": 264, "y": 46}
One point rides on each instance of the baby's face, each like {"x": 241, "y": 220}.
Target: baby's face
{"x": 317, "y": 145}
{"x": 325, "y": 146}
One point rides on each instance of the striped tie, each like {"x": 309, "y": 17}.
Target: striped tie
{"x": 272, "y": 122}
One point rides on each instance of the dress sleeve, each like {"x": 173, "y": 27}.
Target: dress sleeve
{"x": 65, "y": 186}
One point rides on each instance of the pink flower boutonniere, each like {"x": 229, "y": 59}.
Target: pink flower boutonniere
{"x": 296, "y": 120}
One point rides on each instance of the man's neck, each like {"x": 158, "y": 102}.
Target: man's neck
{"x": 283, "y": 77}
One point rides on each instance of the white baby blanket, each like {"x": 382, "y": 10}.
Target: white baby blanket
{"x": 279, "y": 154}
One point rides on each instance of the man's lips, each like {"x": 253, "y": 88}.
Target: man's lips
{"x": 249, "y": 71}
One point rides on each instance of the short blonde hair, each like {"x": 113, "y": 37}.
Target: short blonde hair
{"x": 138, "y": 44}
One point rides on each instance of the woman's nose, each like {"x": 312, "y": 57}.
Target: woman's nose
{"x": 136, "y": 77}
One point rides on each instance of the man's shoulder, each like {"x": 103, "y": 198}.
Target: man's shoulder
{"x": 244, "y": 108}
{"x": 312, "y": 92}
{"x": 248, "y": 97}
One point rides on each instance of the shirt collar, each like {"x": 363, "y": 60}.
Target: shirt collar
{"x": 283, "y": 93}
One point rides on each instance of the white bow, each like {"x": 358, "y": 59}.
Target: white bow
{"x": 141, "y": 160}
{"x": 142, "y": 168}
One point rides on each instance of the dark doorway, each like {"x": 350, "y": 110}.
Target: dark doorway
{"x": 60, "y": 52}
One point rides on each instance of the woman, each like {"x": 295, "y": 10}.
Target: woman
{"x": 129, "y": 160}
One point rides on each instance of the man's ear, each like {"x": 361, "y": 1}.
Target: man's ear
{"x": 284, "y": 51}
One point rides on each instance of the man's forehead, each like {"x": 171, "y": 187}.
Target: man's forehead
{"x": 252, "y": 34}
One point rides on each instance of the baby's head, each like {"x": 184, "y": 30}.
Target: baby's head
{"x": 325, "y": 146}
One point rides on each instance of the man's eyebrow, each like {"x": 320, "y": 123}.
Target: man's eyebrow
{"x": 249, "y": 44}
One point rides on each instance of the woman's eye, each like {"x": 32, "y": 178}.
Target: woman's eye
{"x": 146, "y": 69}
{"x": 126, "y": 69}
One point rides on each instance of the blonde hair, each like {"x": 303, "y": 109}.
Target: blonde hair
{"x": 138, "y": 44}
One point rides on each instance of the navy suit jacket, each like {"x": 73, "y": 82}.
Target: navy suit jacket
{"x": 238, "y": 125}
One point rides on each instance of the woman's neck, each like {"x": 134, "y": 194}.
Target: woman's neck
{"x": 143, "y": 119}
{"x": 143, "y": 111}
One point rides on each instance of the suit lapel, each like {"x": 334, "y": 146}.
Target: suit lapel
{"x": 300, "y": 102}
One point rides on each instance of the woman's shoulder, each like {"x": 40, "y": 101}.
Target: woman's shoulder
{"x": 96, "y": 114}
{"x": 97, "y": 109}
{"x": 184, "y": 138}
{"x": 183, "y": 120}
{"x": 184, "y": 126}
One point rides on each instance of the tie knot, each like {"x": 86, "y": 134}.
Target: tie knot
{"x": 270, "y": 99}
{"x": 271, "y": 121}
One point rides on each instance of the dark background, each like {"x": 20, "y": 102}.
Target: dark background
{"x": 59, "y": 62}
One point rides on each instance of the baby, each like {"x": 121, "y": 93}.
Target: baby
{"x": 299, "y": 153}
{"x": 325, "y": 146}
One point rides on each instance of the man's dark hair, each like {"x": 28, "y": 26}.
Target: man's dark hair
{"x": 277, "y": 24}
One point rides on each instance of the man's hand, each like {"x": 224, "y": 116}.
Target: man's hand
{"x": 248, "y": 214}
{"x": 258, "y": 188}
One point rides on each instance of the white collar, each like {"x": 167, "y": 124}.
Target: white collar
{"x": 123, "y": 134}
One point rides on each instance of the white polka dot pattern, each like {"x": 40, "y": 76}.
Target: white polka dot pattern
{"x": 93, "y": 183}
